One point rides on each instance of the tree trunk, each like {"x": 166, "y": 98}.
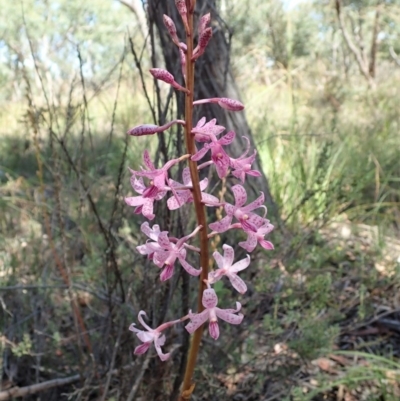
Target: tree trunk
{"x": 214, "y": 78}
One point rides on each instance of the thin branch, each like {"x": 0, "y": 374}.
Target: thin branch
{"x": 353, "y": 48}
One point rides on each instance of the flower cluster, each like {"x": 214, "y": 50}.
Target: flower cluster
{"x": 152, "y": 185}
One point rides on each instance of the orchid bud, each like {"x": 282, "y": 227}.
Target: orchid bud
{"x": 151, "y": 129}
{"x": 230, "y": 104}
{"x": 145, "y": 129}
{"x": 162, "y": 75}
{"x": 181, "y": 6}
{"x": 203, "y": 42}
{"x": 204, "y": 21}
{"x": 171, "y": 28}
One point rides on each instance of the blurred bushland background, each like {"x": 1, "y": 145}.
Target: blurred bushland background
{"x": 320, "y": 80}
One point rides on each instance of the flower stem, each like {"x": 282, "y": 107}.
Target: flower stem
{"x": 187, "y": 386}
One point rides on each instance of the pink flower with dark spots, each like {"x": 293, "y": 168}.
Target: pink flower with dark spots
{"x": 150, "y": 247}
{"x": 218, "y": 154}
{"x": 144, "y": 204}
{"x": 206, "y": 132}
{"x": 183, "y": 192}
{"x": 150, "y": 336}
{"x": 243, "y": 214}
{"x": 226, "y": 268}
{"x": 158, "y": 177}
{"x": 164, "y": 252}
{"x": 254, "y": 238}
{"x": 212, "y": 313}
{"x": 242, "y": 165}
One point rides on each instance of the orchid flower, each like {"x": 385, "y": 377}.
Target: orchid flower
{"x": 205, "y": 132}
{"x": 218, "y": 155}
{"x": 242, "y": 165}
{"x": 158, "y": 177}
{"x": 151, "y": 335}
{"x": 164, "y": 252}
{"x": 185, "y": 195}
{"x": 212, "y": 313}
{"x": 150, "y": 247}
{"x": 225, "y": 268}
{"x": 145, "y": 203}
{"x": 243, "y": 214}
{"x": 263, "y": 228}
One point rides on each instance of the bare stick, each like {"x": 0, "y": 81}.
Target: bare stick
{"x": 36, "y": 388}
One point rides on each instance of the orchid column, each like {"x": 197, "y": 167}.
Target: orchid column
{"x": 165, "y": 250}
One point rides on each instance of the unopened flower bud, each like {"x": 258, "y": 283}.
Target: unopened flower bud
{"x": 151, "y": 129}
{"x": 162, "y": 75}
{"x": 144, "y": 129}
{"x": 204, "y": 38}
{"x": 181, "y": 6}
{"x": 230, "y": 104}
{"x": 203, "y": 23}
{"x": 171, "y": 28}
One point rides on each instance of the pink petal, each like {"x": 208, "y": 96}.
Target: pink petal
{"x": 266, "y": 244}
{"x": 142, "y": 348}
{"x": 240, "y": 265}
{"x": 221, "y": 225}
{"x": 137, "y": 184}
{"x": 228, "y": 138}
{"x": 266, "y": 228}
{"x": 203, "y": 184}
{"x": 147, "y": 209}
{"x": 239, "y": 174}
{"x": 257, "y": 220}
{"x": 167, "y": 272}
{"x": 220, "y": 159}
{"x": 255, "y": 204}
{"x": 240, "y": 195}
{"x": 186, "y": 177}
{"x": 209, "y": 200}
{"x": 196, "y": 320}
{"x": 219, "y": 259}
{"x": 237, "y": 283}
{"x": 229, "y": 254}
{"x": 163, "y": 240}
{"x": 147, "y": 161}
{"x": 209, "y": 299}
{"x": 162, "y": 356}
{"x": 190, "y": 269}
{"x": 254, "y": 173}
{"x": 251, "y": 242}
{"x": 145, "y": 336}
{"x": 213, "y": 329}
{"x": 160, "y": 257}
{"x": 173, "y": 203}
{"x": 135, "y": 200}
{"x": 229, "y": 317}
{"x": 200, "y": 154}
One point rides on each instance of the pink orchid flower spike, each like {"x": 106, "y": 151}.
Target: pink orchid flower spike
{"x": 254, "y": 238}
{"x": 212, "y": 313}
{"x": 183, "y": 192}
{"x": 150, "y": 336}
{"x": 243, "y": 214}
{"x": 225, "y": 268}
